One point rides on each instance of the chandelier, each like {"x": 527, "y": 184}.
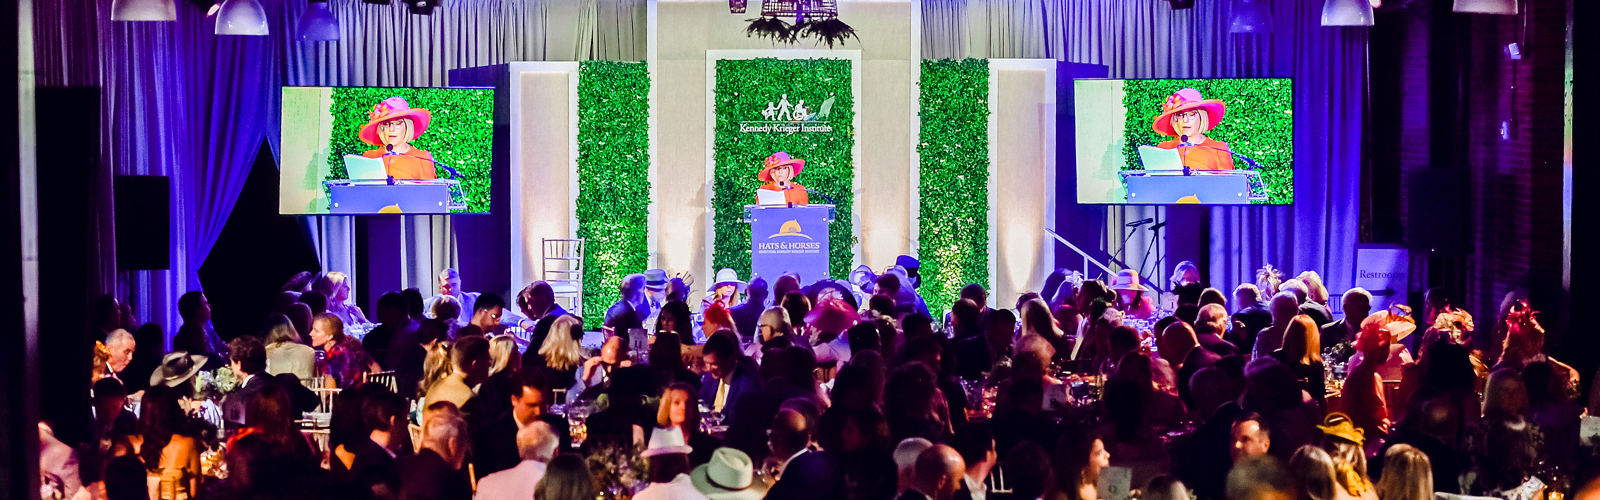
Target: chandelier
{"x": 812, "y": 19}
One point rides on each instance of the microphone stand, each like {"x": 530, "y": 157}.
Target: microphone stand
{"x": 824, "y": 196}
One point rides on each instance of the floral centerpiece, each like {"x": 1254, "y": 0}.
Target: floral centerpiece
{"x": 213, "y": 384}
{"x": 618, "y": 469}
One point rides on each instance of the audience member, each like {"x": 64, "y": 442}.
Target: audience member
{"x": 566, "y": 478}
{"x": 1431, "y": 425}
{"x": 747, "y": 315}
{"x": 828, "y": 323}
{"x": 1316, "y": 301}
{"x": 1313, "y": 470}
{"x": 248, "y": 360}
{"x": 1363, "y": 388}
{"x": 450, "y": 286}
{"x": 538, "y": 304}
{"x": 1029, "y": 470}
{"x": 1251, "y": 316}
{"x": 668, "y": 457}
{"x": 975, "y": 443}
{"x": 937, "y": 475}
{"x": 632, "y": 299}
{"x": 596, "y": 372}
{"x": 1260, "y": 477}
{"x": 1165, "y": 487}
{"x": 168, "y": 444}
{"x": 786, "y": 374}
{"x": 1357, "y": 305}
{"x": 536, "y": 446}
{"x": 726, "y": 380}
{"x": 1210, "y": 327}
{"x": 416, "y": 306}
{"x": 1284, "y": 308}
{"x": 560, "y": 354}
{"x": 336, "y": 287}
{"x": 728, "y": 475}
{"x": 372, "y": 465}
{"x": 285, "y": 351}
{"x": 1078, "y": 460}
{"x": 196, "y": 335}
{"x": 1409, "y": 475}
{"x": 344, "y": 360}
{"x": 1301, "y": 354}
{"x": 679, "y": 412}
{"x": 435, "y": 471}
{"x": 801, "y": 472}
{"x": 469, "y": 363}
{"x": 1345, "y": 443}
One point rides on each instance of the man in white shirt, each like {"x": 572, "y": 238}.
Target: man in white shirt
{"x": 450, "y": 284}
{"x": 936, "y": 476}
{"x": 536, "y": 443}
{"x": 975, "y": 442}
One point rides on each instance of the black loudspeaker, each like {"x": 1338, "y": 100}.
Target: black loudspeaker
{"x": 144, "y": 222}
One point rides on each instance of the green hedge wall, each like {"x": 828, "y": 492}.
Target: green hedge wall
{"x": 743, "y": 90}
{"x": 1259, "y": 124}
{"x": 953, "y": 227}
{"x": 460, "y": 133}
{"x": 613, "y": 178}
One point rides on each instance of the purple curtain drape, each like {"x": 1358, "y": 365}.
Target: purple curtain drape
{"x": 1148, "y": 39}
{"x": 176, "y": 101}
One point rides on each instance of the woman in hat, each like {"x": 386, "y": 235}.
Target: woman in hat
{"x": 392, "y": 125}
{"x": 1132, "y": 297}
{"x": 725, "y": 290}
{"x": 778, "y": 172}
{"x": 1186, "y": 117}
{"x": 1345, "y": 444}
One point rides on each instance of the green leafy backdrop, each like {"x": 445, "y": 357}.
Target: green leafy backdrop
{"x": 613, "y": 178}
{"x": 744, "y": 87}
{"x": 953, "y": 227}
{"x": 1259, "y": 124}
{"x": 460, "y": 133}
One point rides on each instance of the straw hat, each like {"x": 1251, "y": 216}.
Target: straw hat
{"x": 779, "y": 159}
{"x": 1338, "y": 425}
{"x": 176, "y": 368}
{"x": 664, "y": 441}
{"x": 730, "y": 475}
{"x": 1185, "y": 100}
{"x": 390, "y": 109}
{"x": 1126, "y": 279}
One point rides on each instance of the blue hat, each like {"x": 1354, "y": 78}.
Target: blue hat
{"x": 655, "y": 279}
{"x": 907, "y": 262}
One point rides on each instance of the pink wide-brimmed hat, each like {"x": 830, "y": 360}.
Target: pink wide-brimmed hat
{"x": 833, "y": 316}
{"x": 779, "y": 159}
{"x": 392, "y": 108}
{"x": 1185, "y": 100}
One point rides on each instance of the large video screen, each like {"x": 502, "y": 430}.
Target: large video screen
{"x": 1225, "y": 141}
{"x": 385, "y": 150}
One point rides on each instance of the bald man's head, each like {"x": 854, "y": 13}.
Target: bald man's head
{"x": 939, "y": 471}
{"x": 614, "y": 351}
{"x": 788, "y": 434}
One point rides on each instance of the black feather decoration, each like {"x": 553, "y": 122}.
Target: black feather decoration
{"x": 771, "y": 28}
{"x": 831, "y": 31}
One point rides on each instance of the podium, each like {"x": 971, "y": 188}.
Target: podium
{"x": 347, "y": 197}
{"x": 789, "y": 239}
{"x": 1210, "y": 187}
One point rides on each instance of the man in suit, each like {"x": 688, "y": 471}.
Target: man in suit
{"x": 450, "y": 284}
{"x": 538, "y": 303}
{"x": 937, "y": 475}
{"x": 787, "y": 372}
{"x": 247, "y": 356}
{"x": 1179, "y": 341}
{"x": 1203, "y": 461}
{"x": 802, "y": 473}
{"x": 726, "y": 380}
{"x": 1357, "y": 305}
{"x": 1213, "y": 322}
{"x": 1251, "y": 316}
{"x": 384, "y": 414}
{"x": 435, "y": 472}
{"x": 976, "y": 444}
{"x": 746, "y": 316}
{"x": 495, "y": 445}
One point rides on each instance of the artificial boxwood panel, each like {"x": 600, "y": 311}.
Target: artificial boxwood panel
{"x": 953, "y": 220}
{"x": 613, "y": 178}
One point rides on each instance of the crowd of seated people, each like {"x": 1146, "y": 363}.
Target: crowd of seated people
{"x": 831, "y": 390}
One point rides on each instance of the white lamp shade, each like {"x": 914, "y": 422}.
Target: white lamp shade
{"x": 241, "y": 17}
{"x": 317, "y": 23}
{"x": 1250, "y": 16}
{"x": 1347, "y": 13}
{"x": 144, "y": 10}
{"x": 1506, "y": 7}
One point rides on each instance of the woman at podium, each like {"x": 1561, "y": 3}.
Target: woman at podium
{"x": 778, "y": 172}
{"x": 1187, "y": 117}
{"x": 392, "y": 125}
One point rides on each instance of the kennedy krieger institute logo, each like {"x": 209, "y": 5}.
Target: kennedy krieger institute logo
{"x": 784, "y": 117}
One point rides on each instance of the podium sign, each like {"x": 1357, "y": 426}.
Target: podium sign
{"x": 787, "y": 239}
{"x": 354, "y": 198}
{"x": 1212, "y": 188}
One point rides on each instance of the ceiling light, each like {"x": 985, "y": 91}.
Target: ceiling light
{"x": 241, "y": 17}
{"x": 1507, "y": 7}
{"x": 143, "y": 10}
{"x": 1250, "y": 16}
{"x": 1347, "y": 13}
{"x": 317, "y": 23}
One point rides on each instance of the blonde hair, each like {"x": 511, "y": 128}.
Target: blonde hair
{"x": 777, "y": 318}
{"x": 436, "y": 366}
{"x": 1349, "y": 464}
{"x": 560, "y": 351}
{"x": 1268, "y": 279}
{"x": 326, "y": 285}
{"x": 1303, "y": 341}
{"x": 1313, "y": 468}
{"x": 691, "y": 414}
{"x": 501, "y": 349}
{"x": 1407, "y": 474}
{"x": 1314, "y": 289}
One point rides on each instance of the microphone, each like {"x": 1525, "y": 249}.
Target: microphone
{"x": 1158, "y": 225}
{"x": 1141, "y": 222}
{"x": 824, "y": 196}
{"x": 1247, "y": 160}
{"x": 390, "y": 152}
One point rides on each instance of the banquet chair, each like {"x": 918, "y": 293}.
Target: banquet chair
{"x": 385, "y": 377}
{"x": 563, "y": 270}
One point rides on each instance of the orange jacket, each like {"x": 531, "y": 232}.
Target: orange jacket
{"x": 796, "y": 193}
{"x": 1202, "y": 156}
{"x": 415, "y": 164}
